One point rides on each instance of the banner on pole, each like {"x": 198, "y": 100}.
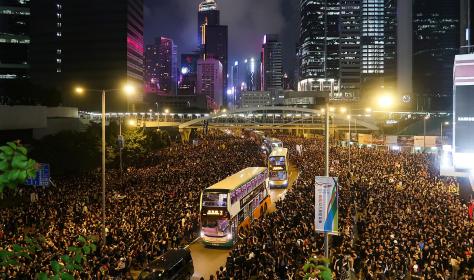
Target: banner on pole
{"x": 326, "y": 204}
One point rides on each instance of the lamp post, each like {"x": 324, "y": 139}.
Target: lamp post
{"x": 128, "y": 89}
{"x": 166, "y": 114}
{"x": 349, "y": 119}
{"x": 443, "y": 124}
{"x": 326, "y": 154}
{"x": 424, "y": 131}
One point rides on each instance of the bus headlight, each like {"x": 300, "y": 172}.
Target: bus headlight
{"x": 285, "y": 182}
{"x": 202, "y": 233}
{"x": 229, "y": 236}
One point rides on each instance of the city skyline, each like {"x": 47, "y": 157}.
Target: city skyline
{"x": 178, "y": 20}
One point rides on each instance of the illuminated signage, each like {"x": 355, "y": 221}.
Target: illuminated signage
{"x": 466, "y": 119}
{"x": 276, "y": 168}
{"x": 214, "y": 212}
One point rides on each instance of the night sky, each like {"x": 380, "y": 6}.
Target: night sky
{"x": 248, "y": 21}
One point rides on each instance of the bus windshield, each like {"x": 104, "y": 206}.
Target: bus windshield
{"x": 277, "y": 168}
{"x": 215, "y": 226}
{"x": 277, "y": 145}
{"x": 214, "y": 199}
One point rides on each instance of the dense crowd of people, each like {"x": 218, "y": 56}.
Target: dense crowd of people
{"x": 398, "y": 219}
{"x": 153, "y": 209}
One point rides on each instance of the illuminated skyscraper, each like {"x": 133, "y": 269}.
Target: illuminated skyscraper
{"x": 213, "y": 38}
{"x": 14, "y": 39}
{"x": 351, "y": 41}
{"x": 208, "y": 15}
{"x": 379, "y": 43}
{"x": 319, "y": 39}
{"x": 167, "y": 66}
{"x": 272, "y": 63}
{"x": 210, "y": 80}
{"x": 350, "y": 48}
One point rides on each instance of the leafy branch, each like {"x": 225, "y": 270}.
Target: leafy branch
{"x": 317, "y": 267}
{"x": 11, "y": 257}
{"x": 65, "y": 268}
{"x": 15, "y": 166}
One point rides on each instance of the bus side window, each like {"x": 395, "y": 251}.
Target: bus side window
{"x": 241, "y": 216}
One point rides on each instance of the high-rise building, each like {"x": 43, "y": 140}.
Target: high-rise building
{"x": 210, "y": 80}
{"x": 14, "y": 39}
{"x": 151, "y": 60}
{"x": 466, "y": 21}
{"x": 319, "y": 41}
{"x": 350, "y": 41}
{"x": 188, "y": 74}
{"x": 96, "y": 44}
{"x": 350, "y": 47}
{"x": 167, "y": 66}
{"x": 208, "y": 15}
{"x": 213, "y": 37}
{"x": 235, "y": 84}
{"x": 272, "y": 63}
{"x": 436, "y": 42}
{"x": 379, "y": 21}
{"x": 250, "y": 73}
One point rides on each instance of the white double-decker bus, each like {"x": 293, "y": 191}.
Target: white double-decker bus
{"x": 278, "y": 168}
{"x": 231, "y": 204}
{"x": 271, "y": 143}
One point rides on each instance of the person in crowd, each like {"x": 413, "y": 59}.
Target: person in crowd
{"x": 153, "y": 208}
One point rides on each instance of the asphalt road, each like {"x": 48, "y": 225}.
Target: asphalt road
{"x": 208, "y": 260}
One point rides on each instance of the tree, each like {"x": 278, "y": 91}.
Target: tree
{"x": 317, "y": 267}
{"x": 15, "y": 166}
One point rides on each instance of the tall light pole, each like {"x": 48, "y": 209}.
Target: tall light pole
{"x": 128, "y": 89}
{"x": 424, "y": 131}
{"x": 443, "y": 124}
{"x": 349, "y": 119}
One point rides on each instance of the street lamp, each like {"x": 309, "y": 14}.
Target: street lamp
{"x": 385, "y": 101}
{"x": 167, "y": 111}
{"x": 349, "y": 119}
{"x": 424, "y": 130}
{"x": 128, "y": 89}
{"x": 443, "y": 124}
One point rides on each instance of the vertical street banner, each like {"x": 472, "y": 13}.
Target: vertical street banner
{"x": 326, "y": 210}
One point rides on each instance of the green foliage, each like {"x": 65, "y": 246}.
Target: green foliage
{"x": 317, "y": 267}
{"x": 63, "y": 269}
{"x": 15, "y": 166}
{"x": 11, "y": 256}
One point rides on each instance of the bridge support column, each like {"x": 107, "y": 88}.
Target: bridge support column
{"x": 185, "y": 133}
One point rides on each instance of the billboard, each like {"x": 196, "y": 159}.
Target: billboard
{"x": 463, "y": 113}
{"x": 326, "y": 208}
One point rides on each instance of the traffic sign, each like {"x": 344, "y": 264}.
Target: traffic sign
{"x": 41, "y": 178}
